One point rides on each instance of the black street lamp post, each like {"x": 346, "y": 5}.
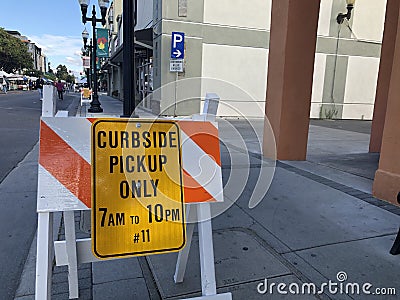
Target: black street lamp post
{"x": 95, "y": 105}
{"x": 91, "y": 69}
{"x": 129, "y": 22}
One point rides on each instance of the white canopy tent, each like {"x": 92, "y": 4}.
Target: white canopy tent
{"x": 5, "y": 74}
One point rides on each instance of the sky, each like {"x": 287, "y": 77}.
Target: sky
{"x": 54, "y": 25}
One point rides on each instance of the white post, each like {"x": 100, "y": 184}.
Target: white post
{"x": 70, "y": 240}
{"x": 211, "y": 103}
{"x": 183, "y": 255}
{"x": 208, "y": 283}
{"x": 44, "y": 256}
{"x": 49, "y": 104}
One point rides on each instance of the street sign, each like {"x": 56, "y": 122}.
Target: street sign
{"x": 176, "y": 65}
{"x": 137, "y": 194}
{"x": 86, "y": 62}
{"x": 178, "y": 45}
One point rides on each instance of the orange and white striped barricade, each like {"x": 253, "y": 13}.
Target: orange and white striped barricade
{"x": 64, "y": 184}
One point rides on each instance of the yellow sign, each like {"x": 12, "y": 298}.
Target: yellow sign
{"x": 137, "y": 194}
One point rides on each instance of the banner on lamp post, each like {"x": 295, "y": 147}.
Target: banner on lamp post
{"x": 101, "y": 42}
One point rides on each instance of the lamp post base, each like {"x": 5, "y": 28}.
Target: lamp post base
{"x": 95, "y": 105}
{"x": 130, "y": 116}
{"x": 95, "y": 110}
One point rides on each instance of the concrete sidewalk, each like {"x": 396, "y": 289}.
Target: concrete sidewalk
{"x": 317, "y": 220}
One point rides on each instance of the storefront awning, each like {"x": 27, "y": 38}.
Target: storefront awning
{"x": 143, "y": 40}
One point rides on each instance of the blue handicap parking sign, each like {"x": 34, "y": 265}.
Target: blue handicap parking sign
{"x": 178, "y": 45}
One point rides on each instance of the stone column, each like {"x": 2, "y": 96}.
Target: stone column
{"x": 290, "y": 76}
{"x": 387, "y": 178}
{"x": 385, "y": 72}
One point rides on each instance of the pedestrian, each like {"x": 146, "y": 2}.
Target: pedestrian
{"x": 60, "y": 89}
{"x": 39, "y": 86}
{"x": 4, "y": 86}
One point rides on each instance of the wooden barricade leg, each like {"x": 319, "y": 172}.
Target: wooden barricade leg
{"x": 70, "y": 240}
{"x": 183, "y": 255}
{"x": 208, "y": 283}
{"x": 44, "y": 256}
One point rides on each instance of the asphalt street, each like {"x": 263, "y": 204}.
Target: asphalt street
{"x": 19, "y": 127}
{"x": 19, "y": 130}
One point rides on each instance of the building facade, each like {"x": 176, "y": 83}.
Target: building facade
{"x": 39, "y": 59}
{"x": 114, "y": 66}
{"x": 228, "y": 42}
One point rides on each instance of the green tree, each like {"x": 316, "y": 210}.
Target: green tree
{"x": 62, "y": 72}
{"x": 14, "y": 54}
{"x": 70, "y": 78}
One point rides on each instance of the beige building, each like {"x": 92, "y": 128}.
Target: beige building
{"x": 228, "y": 40}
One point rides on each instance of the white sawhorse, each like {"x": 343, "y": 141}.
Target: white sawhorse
{"x": 86, "y": 99}
{"x": 208, "y": 282}
{"x": 45, "y": 255}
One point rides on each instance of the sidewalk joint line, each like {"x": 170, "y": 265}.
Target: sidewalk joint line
{"x": 343, "y": 242}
